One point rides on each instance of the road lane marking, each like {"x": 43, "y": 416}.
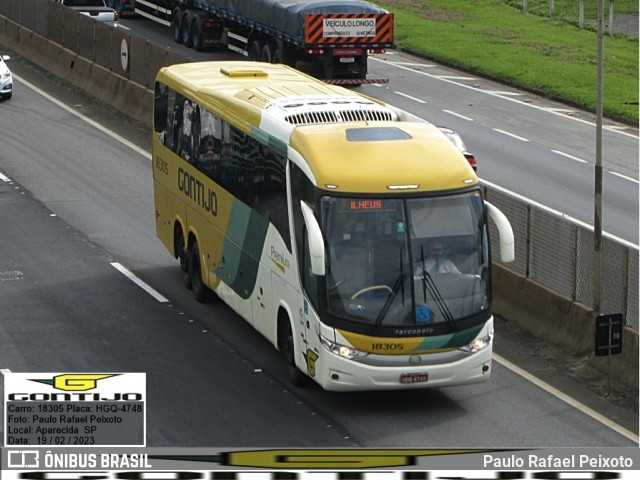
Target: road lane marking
{"x": 501, "y": 93}
{"x": 498, "y": 359}
{"x": 410, "y": 97}
{"x": 513, "y": 135}
{"x": 458, "y": 115}
{"x": 566, "y": 398}
{"x": 634, "y": 180}
{"x": 539, "y": 205}
{"x": 84, "y": 118}
{"x": 454, "y": 77}
{"x": 450, "y": 79}
{"x": 577, "y": 159}
{"x": 150, "y": 290}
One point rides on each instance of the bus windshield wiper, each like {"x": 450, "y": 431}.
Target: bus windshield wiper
{"x": 429, "y": 285}
{"x": 398, "y": 285}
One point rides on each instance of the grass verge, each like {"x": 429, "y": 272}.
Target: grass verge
{"x": 551, "y": 57}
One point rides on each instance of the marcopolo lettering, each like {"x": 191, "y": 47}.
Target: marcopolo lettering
{"x": 195, "y": 190}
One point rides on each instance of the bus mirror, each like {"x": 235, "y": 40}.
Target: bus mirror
{"x": 314, "y": 237}
{"x": 507, "y": 251}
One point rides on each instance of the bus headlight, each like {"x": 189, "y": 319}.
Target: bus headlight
{"x": 342, "y": 350}
{"x": 478, "y": 344}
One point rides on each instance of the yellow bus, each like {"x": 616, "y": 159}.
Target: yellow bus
{"x": 351, "y": 234}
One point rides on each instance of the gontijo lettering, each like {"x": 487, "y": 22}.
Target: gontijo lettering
{"x": 195, "y": 190}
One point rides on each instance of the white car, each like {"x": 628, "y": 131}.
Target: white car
{"x": 6, "y": 79}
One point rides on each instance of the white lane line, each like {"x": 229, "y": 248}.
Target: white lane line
{"x": 410, "y": 97}
{"x": 634, "y": 180}
{"x": 513, "y": 135}
{"x": 566, "y": 398}
{"x": 139, "y": 282}
{"x": 411, "y": 64}
{"x": 577, "y": 159}
{"x": 448, "y": 79}
{"x": 454, "y": 77}
{"x": 505, "y": 93}
{"x": 4, "y": 178}
{"x": 539, "y": 205}
{"x": 458, "y": 115}
{"x": 93, "y": 123}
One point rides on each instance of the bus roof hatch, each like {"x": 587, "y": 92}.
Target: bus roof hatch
{"x": 243, "y": 73}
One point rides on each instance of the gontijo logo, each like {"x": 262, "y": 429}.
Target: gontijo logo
{"x": 75, "y": 382}
{"x": 97, "y": 387}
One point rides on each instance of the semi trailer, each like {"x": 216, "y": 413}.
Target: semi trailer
{"x": 328, "y": 39}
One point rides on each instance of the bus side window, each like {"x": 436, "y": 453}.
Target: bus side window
{"x": 161, "y": 110}
{"x": 176, "y": 122}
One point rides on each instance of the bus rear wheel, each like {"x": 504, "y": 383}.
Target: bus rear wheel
{"x": 200, "y": 291}
{"x": 183, "y": 255}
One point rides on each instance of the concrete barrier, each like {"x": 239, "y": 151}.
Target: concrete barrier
{"x": 536, "y": 309}
{"x": 560, "y": 321}
{"x": 128, "y": 97}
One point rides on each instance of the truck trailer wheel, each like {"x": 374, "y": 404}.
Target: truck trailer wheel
{"x": 187, "y": 38}
{"x": 176, "y": 26}
{"x": 196, "y": 35}
{"x": 255, "y": 51}
{"x": 267, "y": 54}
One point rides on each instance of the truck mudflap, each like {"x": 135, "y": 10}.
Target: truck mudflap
{"x": 371, "y": 29}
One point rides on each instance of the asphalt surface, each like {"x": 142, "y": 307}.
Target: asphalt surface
{"x": 518, "y": 346}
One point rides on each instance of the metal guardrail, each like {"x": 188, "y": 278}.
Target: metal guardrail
{"x": 550, "y": 249}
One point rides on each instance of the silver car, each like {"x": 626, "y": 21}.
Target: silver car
{"x": 457, "y": 141}
{"x": 6, "y": 79}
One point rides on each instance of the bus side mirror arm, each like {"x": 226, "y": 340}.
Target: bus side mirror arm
{"x": 507, "y": 250}
{"x": 316, "y": 242}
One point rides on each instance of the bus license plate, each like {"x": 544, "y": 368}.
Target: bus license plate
{"x": 347, "y": 59}
{"x": 414, "y": 377}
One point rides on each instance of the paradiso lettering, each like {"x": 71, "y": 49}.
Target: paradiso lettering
{"x": 195, "y": 190}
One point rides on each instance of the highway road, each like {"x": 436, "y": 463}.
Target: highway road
{"x": 542, "y": 150}
{"x": 76, "y": 204}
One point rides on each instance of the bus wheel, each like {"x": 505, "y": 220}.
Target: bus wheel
{"x": 183, "y": 255}
{"x": 200, "y": 290}
{"x": 296, "y": 377}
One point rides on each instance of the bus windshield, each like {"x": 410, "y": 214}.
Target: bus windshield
{"x": 411, "y": 261}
